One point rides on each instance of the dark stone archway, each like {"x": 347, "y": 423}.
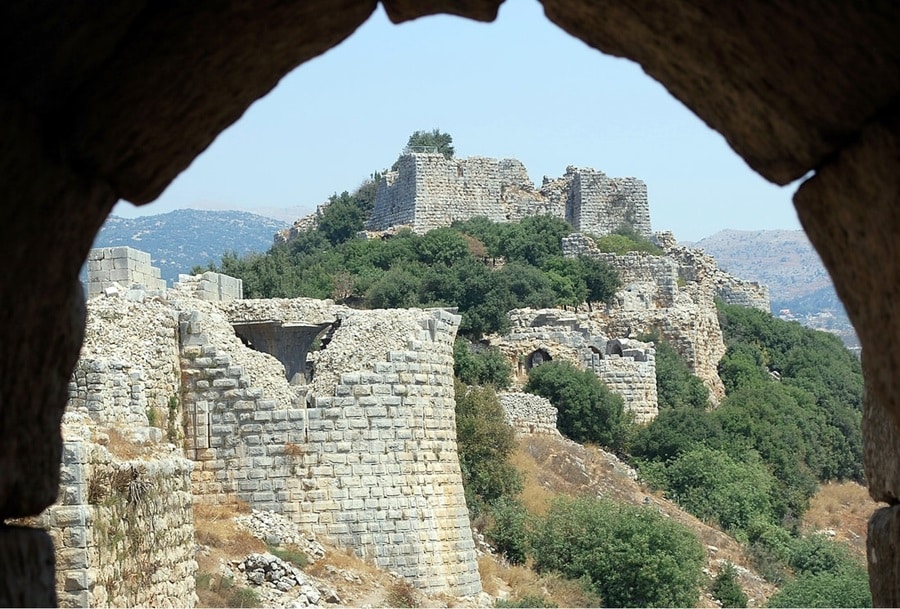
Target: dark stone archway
{"x": 109, "y": 100}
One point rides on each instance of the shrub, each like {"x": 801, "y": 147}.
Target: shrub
{"x": 485, "y": 441}
{"x": 848, "y": 588}
{"x": 509, "y": 531}
{"x": 588, "y": 410}
{"x": 726, "y": 589}
{"x": 632, "y": 557}
{"x": 486, "y": 367}
{"x": 402, "y": 594}
{"x": 714, "y": 487}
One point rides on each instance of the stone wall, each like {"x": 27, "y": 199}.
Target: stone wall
{"x": 529, "y": 413}
{"x": 214, "y": 287}
{"x": 125, "y": 266}
{"x": 364, "y": 455}
{"x": 627, "y": 367}
{"x": 123, "y": 528}
{"x": 428, "y": 191}
{"x": 672, "y": 295}
{"x": 600, "y": 205}
{"x": 129, "y": 365}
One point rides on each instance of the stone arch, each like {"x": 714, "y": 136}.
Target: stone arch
{"x": 536, "y": 358}
{"x": 119, "y": 119}
{"x": 614, "y": 347}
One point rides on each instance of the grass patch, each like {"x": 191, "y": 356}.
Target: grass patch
{"x": 291, "y": 554}
{"x": 402, "y": 594}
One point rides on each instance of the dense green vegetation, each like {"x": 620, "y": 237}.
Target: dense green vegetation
{"x": 826, "y": 576}
{"x": 444, "y": 267}
{"x": 624, "y": 240}
{"x": 631, "y": 556}
{"x": 587, "y": 410}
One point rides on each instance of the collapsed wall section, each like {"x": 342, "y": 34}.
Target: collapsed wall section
{"x": 125, "y": 266}
{"x": 210, "y": 286}
{"x": 671, "y": 295}
{"x": 528, "y": 413}
{"x": 627, "y": 367}
{"x": 366, "y": 457}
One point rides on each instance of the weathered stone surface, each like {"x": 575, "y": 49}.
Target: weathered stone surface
{"x": 428, "y": 191}
{"x": 883, "y": 544}
{"x": 858, "y": 245}
{"x": 26, "y": 568}
{"x": 788, "y": 84}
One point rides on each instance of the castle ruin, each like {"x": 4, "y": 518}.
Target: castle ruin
{"x": 428, "y": 191}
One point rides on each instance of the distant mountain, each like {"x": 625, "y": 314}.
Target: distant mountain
{"x": 180, "y": 240}
{"x": 785, "y": 261}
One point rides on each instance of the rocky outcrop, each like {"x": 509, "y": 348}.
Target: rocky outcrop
{"x": 671, "y": 294}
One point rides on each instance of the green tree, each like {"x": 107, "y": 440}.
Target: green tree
{"x": 341, "y": 219}
{"x": 483, "y": 367}
{"x": 485, "y": 440}
{"x": 725, "y": 588}
{"x": 632, "y": 557}
{"x": 676, "y": 386}
{"x": 588, "y": 410}
{"x": 601, "y": 280}
{"x": 714, "y": 487}
{"x": 432, "y": 141}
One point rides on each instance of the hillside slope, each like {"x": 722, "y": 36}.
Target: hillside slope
{"x": 785, "y": 261}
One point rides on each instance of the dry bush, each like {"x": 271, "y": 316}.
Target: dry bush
{"x": 121, "y": 446}
{"x": 402, "y": 594}
{"x": 214, "y": 526}
{"x": 488, "y": 571}
{"x": 845, "y": 508}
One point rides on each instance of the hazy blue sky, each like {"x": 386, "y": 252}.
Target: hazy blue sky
{"x": 519, "y": 87}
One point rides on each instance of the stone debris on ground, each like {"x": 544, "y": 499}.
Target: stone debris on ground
{"x": 280, "y": 584}
{"x": 278, "y": 530}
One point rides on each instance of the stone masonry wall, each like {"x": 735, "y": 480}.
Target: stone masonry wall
{"x": 428, "y": 191}
{"x": 673, "y": 295}
{"x": 123, "y": 529}
{"x": 627, "y": 367}
{"x": 128, "y": 367}
{"x": 370, "y": 462}
{"x": 123, "y": 265}
{"x": 600, "y": 205}
{"x": 529, "y": 413}
{"x": 214, "y": 287}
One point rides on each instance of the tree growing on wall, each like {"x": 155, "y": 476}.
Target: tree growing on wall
{"x": 434, "y": 139}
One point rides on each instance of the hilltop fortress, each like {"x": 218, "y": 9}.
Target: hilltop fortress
{"x": 428, "y": 191}
{"x": 341, "y": 420}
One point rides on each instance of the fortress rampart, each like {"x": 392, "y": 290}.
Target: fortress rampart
{"x": 428, "y": 191}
